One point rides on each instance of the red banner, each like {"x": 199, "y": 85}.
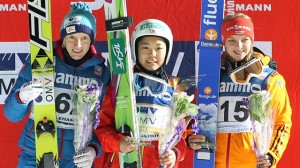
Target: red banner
{"x": 276, "y": 33}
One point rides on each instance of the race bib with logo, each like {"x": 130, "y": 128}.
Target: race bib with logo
{"x": 233, "y": 115}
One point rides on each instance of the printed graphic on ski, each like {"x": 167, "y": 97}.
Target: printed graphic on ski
{"x": 210, "y": 47}
{"x": 117, "y": 24}
{"x": 41, "y": 55}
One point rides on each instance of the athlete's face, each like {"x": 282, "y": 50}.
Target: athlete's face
{"x": 77, "y": 44}
{"x": 238, "y": 46}
{"x": 152, "y": 52}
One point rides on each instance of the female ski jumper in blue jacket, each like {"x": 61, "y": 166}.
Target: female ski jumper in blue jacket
{"x": 92, "y": 71}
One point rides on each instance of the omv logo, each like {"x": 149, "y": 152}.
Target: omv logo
{"x": 8, "y": 60}
{"x": 12, "y": 56}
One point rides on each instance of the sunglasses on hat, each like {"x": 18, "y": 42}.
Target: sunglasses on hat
{"x": 153, "y": 85}
{"x": 243, "y": 74}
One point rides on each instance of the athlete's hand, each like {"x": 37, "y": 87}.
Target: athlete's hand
{"x": 30, "y": 91}
{"x": 168, "y": 158}
{"x": 194, "y": 141}
{"x": 85, "y": 158}
{"x": 126, "y": 145}
{"x": 265, "y": 161}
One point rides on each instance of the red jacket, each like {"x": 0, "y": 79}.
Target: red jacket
{"x": 109, "y": 139}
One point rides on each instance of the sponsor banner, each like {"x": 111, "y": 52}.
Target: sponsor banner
{"x": 12, "y": 56}
{"x": 276, "y": 33}
{"x": 14, "y": 14}
{"x": 182, "y": 63}
{"x": 185, "y": 25}
{"x": 12, "y": 60}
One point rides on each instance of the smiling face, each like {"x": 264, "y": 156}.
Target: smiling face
{"x": 77, "y": 45}
{"x": 151, "y": 52}
{"x": 238, "y": 46}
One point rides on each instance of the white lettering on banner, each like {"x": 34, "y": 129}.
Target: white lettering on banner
{"x": 207, "y": 96}
{"x": 177, "y": 64}
{"x": 12, "y": 7}
{"x": 233, "y": 87}
{"x": 253, "y": 7}
{"x": 231, "y": 7}
{"x": 213, "y": 45}
{"x": 210, "y": 17}
{"x": 23, "y": 7}
{"x": 74, "y": 80}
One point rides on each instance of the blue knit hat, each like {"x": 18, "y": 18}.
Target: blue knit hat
{"x": 79, "y": 19}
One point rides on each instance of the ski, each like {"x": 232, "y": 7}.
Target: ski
{"x": 117, "y": 23}
{"x": 210, "y": 48}
{"x": 41, "y": 57}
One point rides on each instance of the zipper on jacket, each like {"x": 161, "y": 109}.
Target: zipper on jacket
{"x": 75, "y": 82}
{"x": 61, "y": 143}
{"x": 111, "y": 159}
{"x": 228, "y": 151}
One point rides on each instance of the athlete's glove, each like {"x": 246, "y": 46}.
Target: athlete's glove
{"x": 30, "y": 91}
{"x": 85, "y": 158}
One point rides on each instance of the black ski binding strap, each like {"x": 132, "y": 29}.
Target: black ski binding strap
{"x": 45, "y": 126}
{"x": 130, "y": 165}
{"x": 47, "y": 161}
{"x": 119, "y": 23}
{"x": 125, "y": 130}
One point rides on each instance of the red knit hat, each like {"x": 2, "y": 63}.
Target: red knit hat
{"x": 237, "y": 26}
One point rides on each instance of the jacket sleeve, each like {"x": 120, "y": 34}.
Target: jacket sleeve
{"x": 96, "y": 145}
{"x": 14, "y": 110}
{"x": 180, "y": 149}
{"x": 283, "y": 122}
{"x": 106, "y": 131}
{"x": 181, "y": 145}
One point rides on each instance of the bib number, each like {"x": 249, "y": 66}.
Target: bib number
{"x": 233, "y": 115}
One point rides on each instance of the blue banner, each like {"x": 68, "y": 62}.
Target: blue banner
{"x": 210, "y": 48}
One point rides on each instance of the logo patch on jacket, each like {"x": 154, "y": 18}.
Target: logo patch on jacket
{"x": 98, "y": 70}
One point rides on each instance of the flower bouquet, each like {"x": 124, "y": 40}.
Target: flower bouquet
{"x": 182, "y": 113}
{"x": 262, "y": 116}
{"x": 85, "y": 114}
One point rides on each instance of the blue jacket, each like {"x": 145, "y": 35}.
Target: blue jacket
{"x": 66, "y": 77}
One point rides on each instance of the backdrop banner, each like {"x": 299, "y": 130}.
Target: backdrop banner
{"x": 276, "y": 30}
